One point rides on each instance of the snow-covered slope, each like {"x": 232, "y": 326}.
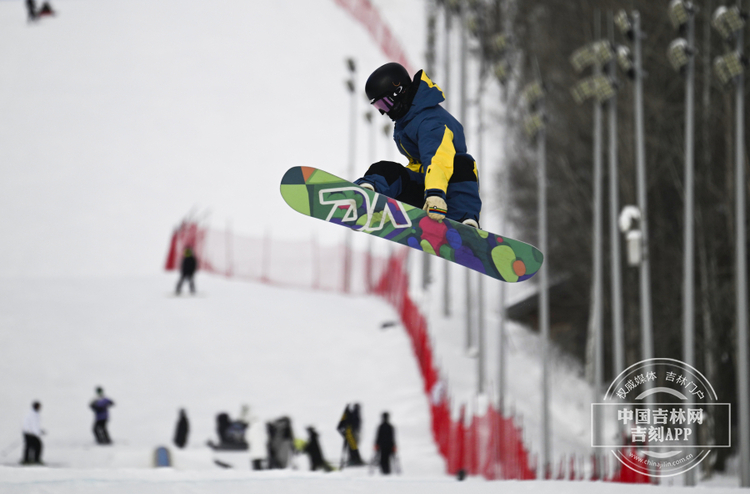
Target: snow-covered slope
{"x": 283, "y": 352}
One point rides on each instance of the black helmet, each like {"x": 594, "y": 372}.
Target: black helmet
{"x": 386, "y": 89}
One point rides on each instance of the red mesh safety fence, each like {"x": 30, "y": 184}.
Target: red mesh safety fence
{"x": 294, "y": 264}
{"x": 367, "y": 15}
{"x": 488, "y": 444}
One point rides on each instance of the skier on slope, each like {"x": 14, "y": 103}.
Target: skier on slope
{"x": 441, "y": 176}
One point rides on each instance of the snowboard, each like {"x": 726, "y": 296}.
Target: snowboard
{"x": 319, "y": 194}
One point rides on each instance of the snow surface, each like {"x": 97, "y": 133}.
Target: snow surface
{"x": 118, "y": 117}
{"x": 279, "y": 351}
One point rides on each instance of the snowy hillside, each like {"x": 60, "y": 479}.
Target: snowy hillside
{"x": 279, "y": 351}
{"x": 119, "y": 117}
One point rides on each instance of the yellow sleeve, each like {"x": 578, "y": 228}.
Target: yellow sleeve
{"x": 440, "y": 169}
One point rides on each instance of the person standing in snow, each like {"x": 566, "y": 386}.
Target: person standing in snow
{"x": 32, "y": 436}
{"x": 258, "y": 440}
{"x": 31, "y": 9}
{"x": 182, "y": 430}
{"x": 346, "y": 429}
{"x": 356, "y": 421}
{"x": 314, "y": 451}
{"x": 187, "y": 270}
{"x": 441, "y": 177}
{"x": 385, "y": 444}
{"x": 100, "y": 405}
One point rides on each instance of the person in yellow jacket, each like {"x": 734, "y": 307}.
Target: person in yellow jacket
{"x": 441, "y": 177}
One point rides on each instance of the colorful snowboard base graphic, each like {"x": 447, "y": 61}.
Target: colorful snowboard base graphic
{"x": 321, "y": 195}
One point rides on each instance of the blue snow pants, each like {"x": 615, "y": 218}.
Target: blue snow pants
{"x": 399, "y": 182}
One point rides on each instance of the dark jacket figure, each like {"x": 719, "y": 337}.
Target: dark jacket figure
{"x": 385, "y": 444}
{"x": 31, "y": 9}
{"x": 280, "y": 443}
{"x": 32, "y": 436}
{"x": 231, "y": 433}
{"x": 441, "y": 177}
{"x": 100, "y": 405}
{"x": 356, "y": 421}
{"x": 222, "y": 426}
{"x": 182, "y": 430}
{"x": 312, "y": 448}
{"x": 187, "y": 270}
{"x": 346, "y": 425}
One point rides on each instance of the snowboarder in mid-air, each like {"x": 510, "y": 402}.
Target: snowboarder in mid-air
{"x": 441, "y": 176}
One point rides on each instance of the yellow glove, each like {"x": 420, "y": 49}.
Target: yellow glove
{"x": 436, "y": 207}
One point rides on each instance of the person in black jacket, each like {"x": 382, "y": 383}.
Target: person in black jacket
{"x": 187, "y": 270}
{"x": 385, "y": 444}
{"x": 346, "y": 428}
{"x": 31, "y": 9}
{"x": 313, "y": 450}
{"x": 182, "y": 430}
{"x": 356, "y": 421}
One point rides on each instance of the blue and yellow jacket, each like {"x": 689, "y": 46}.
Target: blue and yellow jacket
{"x": 430, "y": 137}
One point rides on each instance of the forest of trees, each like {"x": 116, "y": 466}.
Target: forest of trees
{"x": 545, "y": 33}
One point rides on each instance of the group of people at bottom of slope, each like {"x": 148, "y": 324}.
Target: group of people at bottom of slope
{"x": 273, "y": 445}
{"x": 32, "y": 427}
{"x": 350, "y": 426}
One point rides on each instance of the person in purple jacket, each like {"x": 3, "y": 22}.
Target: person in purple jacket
{"x": 100, "y": 405}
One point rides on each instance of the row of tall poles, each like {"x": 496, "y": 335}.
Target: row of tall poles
{"x": 602, "y": 87}
{"x": 730, "y": 24}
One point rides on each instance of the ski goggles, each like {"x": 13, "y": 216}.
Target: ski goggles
{"x": 383, "y": 105}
